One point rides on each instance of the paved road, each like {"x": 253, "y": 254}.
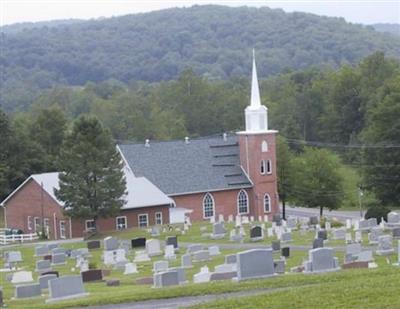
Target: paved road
{"x": 186, "y": 301}
{"x": 307, "y": 212}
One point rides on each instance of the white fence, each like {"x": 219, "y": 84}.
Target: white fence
{"x": 8, "y": 239}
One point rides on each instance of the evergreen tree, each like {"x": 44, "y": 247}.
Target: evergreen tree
{"x": 92, "y": 183}
{"x": 5, "y": 140}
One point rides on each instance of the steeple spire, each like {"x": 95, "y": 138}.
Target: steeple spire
{"x": 255, "y": 101}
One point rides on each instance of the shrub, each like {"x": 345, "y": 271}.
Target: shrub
{"x": 377, "y": 212}
{"x": 92, "y": 265}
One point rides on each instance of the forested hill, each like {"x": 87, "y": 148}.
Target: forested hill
{"x": 216, "y": 41}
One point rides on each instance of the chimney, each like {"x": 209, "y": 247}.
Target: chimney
{"x": 147, "y": 143}
{"x": 225, "y": 137}
{"x": 187, "y": 140}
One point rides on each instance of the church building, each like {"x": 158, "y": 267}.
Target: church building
{"x": 229, "y": 174}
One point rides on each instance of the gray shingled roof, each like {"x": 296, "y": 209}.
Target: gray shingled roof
{"x": 205, "y": 164}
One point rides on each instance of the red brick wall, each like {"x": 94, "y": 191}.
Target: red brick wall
{"x": 251, "y": 157}
{"x": 109, "y": 224}
{"x": 225, "y": 202}
{"x": 28, "y": 202}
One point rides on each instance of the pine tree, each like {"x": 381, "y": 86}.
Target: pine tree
{"x": 92, "y": 184}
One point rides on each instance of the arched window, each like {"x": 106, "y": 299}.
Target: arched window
{"x": 243, "y": 202}
{"x": 264, "y": 146}
{"x": 262, "y": 167}
{"x": 208, "y": 206}
{"x": 269, "y": 167}
{"x": 267, "y": 203}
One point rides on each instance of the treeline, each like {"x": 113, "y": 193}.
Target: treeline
{"x": 214, "y": 41}
{"x": 352, "y": 113}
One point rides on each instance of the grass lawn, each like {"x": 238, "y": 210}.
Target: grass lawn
{"x": 333, "y": 283}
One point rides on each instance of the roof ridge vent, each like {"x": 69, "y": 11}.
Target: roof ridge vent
{"x": 147, "y": 143}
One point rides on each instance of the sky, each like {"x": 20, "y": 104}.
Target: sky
{"x": 355, "y": 11}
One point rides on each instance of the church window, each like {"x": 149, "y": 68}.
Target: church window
{"x": 243, "y": 202}
{"x": 208, "y": 206}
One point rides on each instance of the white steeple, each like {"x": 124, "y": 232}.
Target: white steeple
{"x": 256, "y": 114}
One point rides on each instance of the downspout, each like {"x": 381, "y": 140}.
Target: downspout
{"x": 55, "y": 225}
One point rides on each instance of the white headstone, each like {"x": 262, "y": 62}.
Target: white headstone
{"x": 130, "y": 268}
{"x": 21, "y": 277}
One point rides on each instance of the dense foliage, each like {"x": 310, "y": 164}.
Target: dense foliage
{"x": 215, "y": 41}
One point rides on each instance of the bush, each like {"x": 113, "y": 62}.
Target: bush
{"x": 377, "y": 212}
{"x": 334, "y": 222}
{"x": 92, "y": 265}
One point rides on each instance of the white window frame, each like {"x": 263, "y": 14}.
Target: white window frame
{"x": 269, "y": 167}
{"x": 204, "y": 205}
{"x": 86, "y": 225}
{"x": 125, "y": 226}
{"x": 264, "y": 146}
{"x": 238, "y": 201}
{"x": 36, "y": 225}
{"x": 46, "y": 223}
{"x": 262, "y": 167}
{"x": 29, "y": 223}
{"x": 63, "y": 229}
{"x": 159, "y": 221}
{"x": 147, "y": 220}
{"x": 269, "y": 203}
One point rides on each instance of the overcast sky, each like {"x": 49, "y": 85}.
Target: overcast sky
{"x": 356, "y": 11}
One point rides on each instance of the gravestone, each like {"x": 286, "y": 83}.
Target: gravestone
{"x": 14, "y": 257}
{"x": 155, "y": 231}
{"x": 21, "y": 277}
{"x": 235, "y": 237}
{"x": 222, "y": 275}
{"x": 160, "y": 266}
{"x": 41, "y": 250}
{"x": 44, "y": 280}
{"x": 130, "y": 268}
{"x": 202, "y": 276}
{"x": 93, "y": 244}
{"x": 181, "y": 273}
{"x": 112, "y": 282}
{"x": 256, "y": 233}
{"x": 230, "y": 218}
{"x": 230, "y": 259}
{"x": 169, "y": 252}
{"x": 385, "y": 246}
{"x": 353, "y": 249}
{"x": 26, "y": 291}
{"x": 339, "y": 234}
{"x": 110, "y": 243}
{"x": 113, "y": 257}
{"x": 396, "y": 232}
{"x": 372, "y": 222}
{"x": 285, "y": 252}
{"x": 138, "y": 242}
{"x": 279, "y": 266}
{"x": 277, "y": 218}
{"x": 221, "y": 218}
{"x": 276, "y": 245}
{"x": 92, "y": 275}
{"x": 52, "y": 246}
{"x": 374, "y": 234}
{"x": 286, "y": 237}
{"x": 201, "y": 256}
{"x": 313, "y": 220}
{"x": 321, "y": 260}
{"x": 43, "y": 265}
{"x": 172, "y": 240}
{"x": 141, "y": 256}
{"x": 255, "y": 263}
{"x": 291, "y": 223}
{"x": 58, "y": 251}
{"x": 67, "y": 287}
{"x": 225, "y": 268}
{"x": 166, "y": 278}
{"x": 186, "y": 260}
{"x": 58, "y": 259}
{"x": 393, "y": 219}
{"x": 327, "y": 226}
{"x": 1, "y": 297}
{"x": 358, "y": 237}
{"x": 363, "y": 225}
{"x": 322, "y": 234}
{"x": 153, "y": 247}
{"x": 218, "y": 231}
{"x": 193, "y": 248}
{"x": 318, "y": 243}
{"x": 214, "y": 250}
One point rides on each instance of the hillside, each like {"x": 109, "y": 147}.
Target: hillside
{"x": 388, "y": 28}
{"x": 215, "y": 41}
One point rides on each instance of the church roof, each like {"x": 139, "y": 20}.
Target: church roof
{"x": 179, "y": 167}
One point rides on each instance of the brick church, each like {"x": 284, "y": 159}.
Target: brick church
{"x": 230, "y": 174}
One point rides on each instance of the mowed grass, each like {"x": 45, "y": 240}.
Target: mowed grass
{"x": 129, "y": 291}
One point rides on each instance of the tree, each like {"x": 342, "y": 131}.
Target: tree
{"x": 92, "y": 183}
{"x": 5, "y": 141}
{"x": 318, "y": 182}
{"x": 285, "y": 173}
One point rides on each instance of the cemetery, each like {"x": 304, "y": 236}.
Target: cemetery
{"x": 188, "y": 260}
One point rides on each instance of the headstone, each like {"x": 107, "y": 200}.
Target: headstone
{"x": 291, "y": 223}
{"x": 242, "y": 232}
{"x": 160, "y": 266}
{"x": 279, "y": 266}
{"x": 276, "y": 245}
{"x": 270, "y": 232}
{"x": 255, "y": 263}
{"x": 318, "y": 243}
{"x": 365, "y": 256}
{"x": 348, "y": 238}
{"x": 201, "y": 256}
{"x": 113, "y": 257}
{"x": 322, "y": 234}
{"x": 245, "y": 220}
{"x": 21, "y": 277}
{"x": 374, "y": 234}
{"x": 138, "y": 242}
{"x": 321, "y": 260}
{"x": 235, "y": 237}
{"x": 41, "y": 250}
{"x": 181, "y": 274}
{"x": 172, "y": 240}
{"x": 92, "y": 275}
{"x": 153, "y": 247}
{"x": 193, "y": 248}
{"x": 372, "y": 222}
{"x": 110, "y": 243}
{"x": 393, "y": 219}
{"x": 225, "y": 268}
{"x": 222, "y": 275}
{"x": 44, "y": 280}
{"x": 286, "y": 237}
{"x": 67, "y": 287}
{"x": 363, "y": 225}
{"x": 353, "y": 249}
{"x": 112, "y": 282}
{"x": 313, "y": 220}
{"x": 58, "y": 259}
{"x": 93, "y": 244}
{"x": 186, "y": 261}
{"x": 166, "y": 278}
{"x": 155, "y": 231}
{"x": 58, "y": 251}
{"x": 214, "y": 250}
{"x": 230, "y": 218}
{"x": 169, "y": 252}
{"x": 285, "y": 252}
{"x": 358, "y": 237}
{"x": 256, "y": 233}
{"x": 14, "y": 257}
{"x": 43, "y": 265}
{"x": 355, "y": 264}
{"x": 265, "y": 218}
{"x": 141, "y": 256}
{"x": 385, "y": 245}
{"x": 396, "y": 232}
{"x": 221, "y": 218}
{"x": 339, "y": 234}
{"x": 52, "y": 272}
{"x": 218, "y": 231}
{"x": 327, "y": 226}
{"x": 130, "y": 268}
{"x": 26, "y": 291}
{"x": 348, "y": 224}
{"x": 202, "y": 276}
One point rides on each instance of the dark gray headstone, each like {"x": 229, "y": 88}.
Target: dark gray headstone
{"x": 279, "y": 266}
{"x": 43, "y": 265}
{"x": 166, "y": 278}
{"x": 42, "y": 250}
{"x": 318, "y": 243}
{"x": 44, "y": 280}
{"x": 323, "y": 234}
{"x": 28, "y": 290}
{"x": 1, "y": 296}
{"x": 92, "y": 275}
{"x": 138, "y": 242}
{"x": 277, "y": 218}
{"x": 313, "y": 220}
{"x": 223, "y": 276}
{"x": 52, "y": 246}
{"x": 322, "y": 259}
{"x": 66, "y": 287}
{"x": 396, "y": 232}
{"x": 110, "y": 243}
{"x": 58, "y": 259}
{"x": 276, "y": 245}
{"x": 256, "y": 263}
{"x": 286, "y": 252}
{"x": 256, "y": 232}
{"x": 93, "y": 244}
{"x": 172, "y": 240}
{"x": 112, "y": 282}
